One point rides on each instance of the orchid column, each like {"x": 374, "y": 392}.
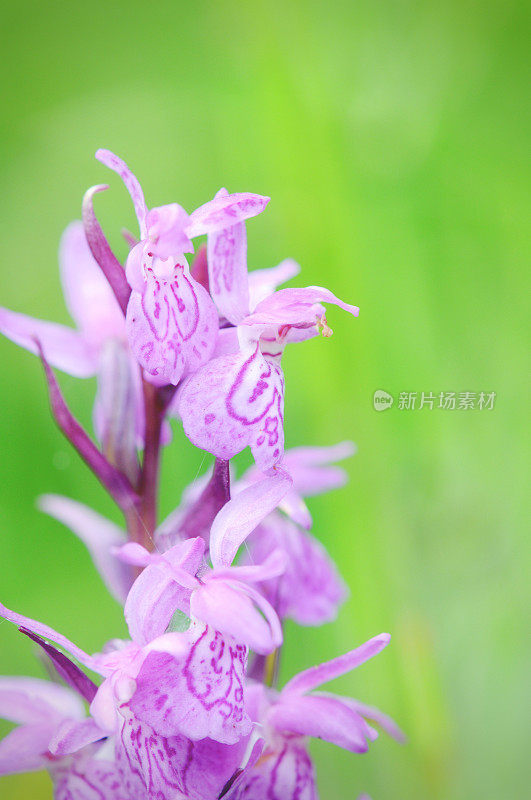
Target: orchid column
{"x": 179, "y": 709}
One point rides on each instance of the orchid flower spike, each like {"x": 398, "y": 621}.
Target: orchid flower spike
{"x": 174, "y": 711}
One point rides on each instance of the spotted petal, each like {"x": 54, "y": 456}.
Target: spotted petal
{"x": 199, "y": 696}
{"x": 91, "y": 775}
{"x": 286, "y": 773}
{"x": 171, "y": 326}
{"x": 174, "y": 767}
{"x": 233, "y": 402}
{"x": 225, "y": 211}
{"x": 227, "y": 270}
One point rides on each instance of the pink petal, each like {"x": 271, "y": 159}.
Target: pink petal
{"x": 136, "y": 554}
{"x": 99, "y": 535}
{"x": 237, "y": 611}
{"x": 172, "y": 327}
{"x": 241, "y": 515}
{"x": 233, "y": 402}
{"x": 311, "y": 467}
{"x": 23, "y": 749}
{"x": 72, "y": 735}
{"x": 88, "y": 295}
{"x": 224, "y": 212}
{"x": 385, "y": 722}
{"x": 294, "y": 307}
{"x": 166, "y": 226}
{"x": 32, "y": 700}
{"x": 136, "y": 266}
{"x": 227, "y": 270}
{"x": 263, "y": 282}
{"x": 170, "y": 766}
{"x": 322, "y": 717}
{"x": 155, "y": 595}
{"x": 296, "y": 509}
{"x": 285, "y": 773}
{"x": 90, "y": 775}
{"x": 64, "y": 348}
{"x": 272, "y": 566}
{"x": 131, "y": 184}
{"x": 310, "y": 590}
{"x": 48, "y": 633}
{"x": 200, "y": 696}
{"x": 227, "y": 343}
{"x": 315, "y": 676}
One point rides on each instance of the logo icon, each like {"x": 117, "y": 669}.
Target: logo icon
{"x": 382, "y": 400}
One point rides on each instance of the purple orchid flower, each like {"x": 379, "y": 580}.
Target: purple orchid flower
{"x": 237, "y": 399}
{"x": 54, "y": 733}
{"x": 223, "y": 598}
{"x": 172, "y": 322}
{"x": 98, "y": 346}
{"x": 285, "y": 770}
{"x": 134, "y": 671}
{"x": 200, "y": 677}
{"x": 198, "y": 511}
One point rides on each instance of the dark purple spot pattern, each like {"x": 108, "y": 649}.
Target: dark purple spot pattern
{"x": 199, "y": 697}
{"x": 285, "y": 774}
{"x": 85, "y": 777}
{"x": 172, "y": 324}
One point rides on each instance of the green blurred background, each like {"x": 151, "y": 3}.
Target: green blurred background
{"x": 391, "y": 138}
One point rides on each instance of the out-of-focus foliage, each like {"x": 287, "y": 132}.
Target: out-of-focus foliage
{"x": 391, "y": 138}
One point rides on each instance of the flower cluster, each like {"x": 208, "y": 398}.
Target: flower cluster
{"x": 188, "y": 706}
